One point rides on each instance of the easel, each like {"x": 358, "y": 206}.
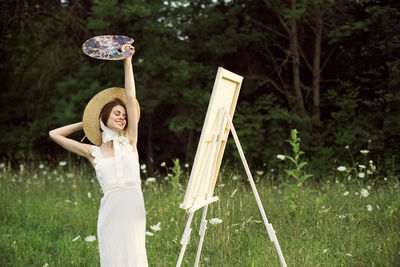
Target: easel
{"x": 212, "y": 155}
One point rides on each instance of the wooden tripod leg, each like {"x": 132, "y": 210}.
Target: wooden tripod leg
{"x": 185, "y": 239}
{"x": 202, "y": 231}
{"x": 270, "y": 229}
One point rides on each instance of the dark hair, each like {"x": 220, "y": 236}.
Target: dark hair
{"x": 106, "y": 110}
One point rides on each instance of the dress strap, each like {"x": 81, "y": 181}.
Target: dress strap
{"x": 96, "y": 154}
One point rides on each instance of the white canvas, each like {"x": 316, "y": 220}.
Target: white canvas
{"x": 213, "y": 138}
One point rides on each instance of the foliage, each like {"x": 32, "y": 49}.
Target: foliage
{"x": 47, "y": 80}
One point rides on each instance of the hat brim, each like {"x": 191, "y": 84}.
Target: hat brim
{"x": 91, "y": 115}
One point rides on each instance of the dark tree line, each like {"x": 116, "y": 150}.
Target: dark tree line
{"x": 330, "y": 68}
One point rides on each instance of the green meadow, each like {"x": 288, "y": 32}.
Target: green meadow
{"x": 49, "y": 215}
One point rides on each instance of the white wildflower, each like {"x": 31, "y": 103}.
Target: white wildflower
{"x": 384, "y": 178}
{"x": 156, "y": 227}
{"x": 89, "y": 195}
{"x": 347, "y": 147}
{"x": 364, "y": 192}
{"x": 361, "y": 166}
{"x": 356, "y": 193}
{"x": 90, "y": 238}
{"x": 143, "y": 166}
{"x": 342, "y": 216}
{"x": 166, "y": 178}
{"x": 215, "y": 221}
{"x": 281, "y": 157}
{"x": 369, "y": 207}
{"x": 163, "y": 164}
{"x": 62, "y": 163}
{"x": 46, "y": 265}
{"x": 346, "y": 193}
{"x": 369, "y": 172}
{"x": 361, "y": 174}
{"x": 341, "y": 168}
{"x": 369, "y": 187}
{"x": 149, "y": 233}
{"x": 150, "y": 180}
{"x": 235, "y": 177}
{"x": 186, "y": 165}
{"x": 364, "y": 151}
{"x": 21, "y": 167}
{"x": 371, "y": 161}
{"x": 260, "y": 173}
{"x": 349, "y": 178}
{"x": 41, "y": 166}
{"x": 76, "y": 238}
{"x": 325, "y": 250}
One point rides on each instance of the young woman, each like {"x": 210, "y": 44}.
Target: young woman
{"x": 122, "y": 217}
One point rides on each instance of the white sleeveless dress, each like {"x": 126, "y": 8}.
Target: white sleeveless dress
{"x": 121, "y": 224}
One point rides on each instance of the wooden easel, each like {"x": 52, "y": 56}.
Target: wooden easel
{"x": 212, "y": 156}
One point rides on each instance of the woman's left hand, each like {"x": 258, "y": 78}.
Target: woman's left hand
{"x": 128, "y": 48}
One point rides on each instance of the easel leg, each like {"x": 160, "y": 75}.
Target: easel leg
{"x": 185, "y": 239}
{"x": 202, "y": 231}
{"x": 270, "y": 229}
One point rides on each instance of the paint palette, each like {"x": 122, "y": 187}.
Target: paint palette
{"x": 107, "y": 47}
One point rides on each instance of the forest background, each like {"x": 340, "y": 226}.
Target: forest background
{"x": 329, "y": 68}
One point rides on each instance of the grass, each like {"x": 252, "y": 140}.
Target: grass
{"x": 42, "y": 210}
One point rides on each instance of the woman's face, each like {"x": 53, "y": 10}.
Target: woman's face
{"x": 117, "y": 119}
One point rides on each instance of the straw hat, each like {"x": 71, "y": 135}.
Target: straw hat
{"x": 91, "y": 115}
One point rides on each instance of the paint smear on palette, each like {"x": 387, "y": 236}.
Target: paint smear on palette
{"x": 107, "y": 47}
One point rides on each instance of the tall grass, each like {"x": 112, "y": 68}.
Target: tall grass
{"x": 43, "y": 210}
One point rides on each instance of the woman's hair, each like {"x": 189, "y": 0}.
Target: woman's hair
{"x": 106, "y": 110}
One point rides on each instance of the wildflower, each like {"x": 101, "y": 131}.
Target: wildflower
{"x": 186, "y": 165}
{"x": 341, "y": 168}
{"x": 369, "y": 207}
{"x": 143, "y": 166}
{"x": 21, "y": 167}
{"x": 215, "y": 221}
{"x": 384, "y": 178}
{"x": 347, "y": 147}
{"x": 221, "y": 185}
{"x": 365, "y": 152}
{"x": 46, "y": 265}
{"x": 156, "y": 227}
{"x": 281, "y": 157}
{"x": 163, "y": 164}
{"x": 361, "y": 175}
{"x": 76, "y": 238}
{"x": 349, "y": 178}
{"x": 70, "y": 175}
{"x": 150, "y": 180}
{"x": 364, "y": 192}
{"x": 90, "y": 238}
{"x": 369, "y": 172}
{"x": 235, "y": 177}
{"x": 325, "y": 250}
{"x": 260, "y": 173}
{"x": 346, "y": 193}
{"x": 356, "y": 193}
{"x": 41, "y": 166}
{"x": 166, "y": 178}
{"x": 369, "y": 187}
{"x": 62, "y": 163}
{"x": 371, "y": 162}
{"x": 149, "y": 233}
{"x": 361, "y": 166}
{"x": 341, "y": 216}
{"x": 89, "y": 195}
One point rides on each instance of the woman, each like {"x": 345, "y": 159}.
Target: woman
{"x": 122, "y": 218}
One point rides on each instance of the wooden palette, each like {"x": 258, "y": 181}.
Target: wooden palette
{"x": 107, "y": 47}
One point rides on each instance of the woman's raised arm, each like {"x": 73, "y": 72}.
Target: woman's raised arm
{"x": 130, "y": 89}
{"x": 59, "y": 136}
